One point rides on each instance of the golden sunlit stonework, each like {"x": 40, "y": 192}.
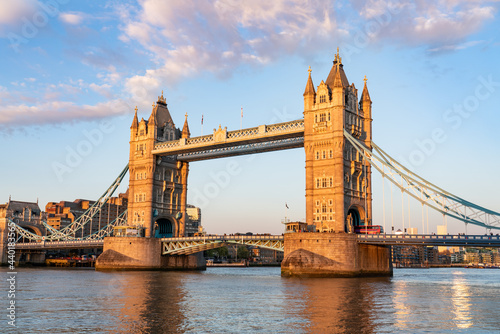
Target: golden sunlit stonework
{"x": 338, "y": 183}
{"x": 158, "y": 185}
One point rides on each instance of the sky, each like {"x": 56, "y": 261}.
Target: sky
{"x": 72, "y": 72}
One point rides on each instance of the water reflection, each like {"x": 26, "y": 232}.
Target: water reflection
{"x": 255, "y": 300}
{"x": 340, "y": 305}
{"x": 149, "y": 302}
{"x": 461, "y": 301}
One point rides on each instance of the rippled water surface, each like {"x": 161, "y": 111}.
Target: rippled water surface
{"x": 253, "y": 300}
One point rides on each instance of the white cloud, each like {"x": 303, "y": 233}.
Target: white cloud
{"x": 12, "y": 11}
{"x": 455, "y": 47}
{"x": 12, "y": 14}
{"x": 53, "y": 112}
{"x": 426, "y": 23}
{"x": 74, "y": 18}
{"x": 104, "y": 89}
{"x": 186, "y": 37}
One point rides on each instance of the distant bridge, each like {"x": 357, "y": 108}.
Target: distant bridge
{"x": 192, "y": 245}
{"x": 430, "y": 240}
{"x": 49, "y": 245}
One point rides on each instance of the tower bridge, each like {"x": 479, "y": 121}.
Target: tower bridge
{"x": 338, "y": 179}
{"x": 336, "y": 135}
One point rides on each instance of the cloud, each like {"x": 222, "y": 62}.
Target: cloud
{"x": 58, "y": 112}
{"x": 186, "y": 37}
{"x": 182, "y": 38}
{"x": 13, "y": 11}
{"x": 427, "y": 23}
{"x": 455, "y": 47}
{"x": 74, "y": 18}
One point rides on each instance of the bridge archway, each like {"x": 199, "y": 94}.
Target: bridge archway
{"x": 355, "y": 217}
{"x": 165, "y": 227}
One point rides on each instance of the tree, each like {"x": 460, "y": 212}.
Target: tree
{"x": 217, "y": 253}
{"x": 223, "y": 252}
{"x": 243, "y": 252}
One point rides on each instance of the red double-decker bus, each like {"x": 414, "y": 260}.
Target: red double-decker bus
{"x": 368, "y": 229}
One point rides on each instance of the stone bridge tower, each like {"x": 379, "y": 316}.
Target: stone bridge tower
{"x": 338, "y": 185}
{"x": 158, "y": 185}
{"x": 338, "y": 180}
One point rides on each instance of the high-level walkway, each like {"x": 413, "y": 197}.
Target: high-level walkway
{"x": 223, "y": 143}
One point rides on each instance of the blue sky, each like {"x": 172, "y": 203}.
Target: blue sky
{"x": 72, "y": 73}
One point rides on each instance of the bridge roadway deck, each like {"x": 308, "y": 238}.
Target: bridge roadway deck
{"x": 273, "y": 241}
{"x": 430, "y": 240}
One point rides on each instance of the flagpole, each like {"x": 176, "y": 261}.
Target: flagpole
{"x": 241, "y": 119}
{"x": 202, "y": 124}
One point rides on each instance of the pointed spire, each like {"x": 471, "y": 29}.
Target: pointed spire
{"x": 185, "y": 128}
{"x": 135, "y": 122}
{"x": 337, "y": 82}
{"x": 365, "y": 96}
{"x": 152, "y": 118}
{"x": 309, "y": 86}
{"x": 337, "y": 71}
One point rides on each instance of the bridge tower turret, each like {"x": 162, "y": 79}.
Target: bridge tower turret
{"x": 338, "y": 183}
{"x": 157, "y": 185}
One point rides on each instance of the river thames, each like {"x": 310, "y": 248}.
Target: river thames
{"x": 253, "y": 300}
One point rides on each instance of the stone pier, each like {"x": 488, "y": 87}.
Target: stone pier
{"x": 333, "y": 255}
{"x": 122, "y": 253}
